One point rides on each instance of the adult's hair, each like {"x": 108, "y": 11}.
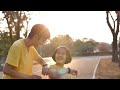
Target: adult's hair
{"x": 68, "y": 55}
{"x": 41, "y": 30}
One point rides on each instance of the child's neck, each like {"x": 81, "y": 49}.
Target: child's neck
{"x": 60, "y": 65}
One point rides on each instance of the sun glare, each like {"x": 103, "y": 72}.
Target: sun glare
{"x": 79, "y": 24}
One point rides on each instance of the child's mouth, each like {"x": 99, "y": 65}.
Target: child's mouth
{"x": 60, "y": 58}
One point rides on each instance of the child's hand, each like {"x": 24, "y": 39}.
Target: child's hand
{"x": 54, "y": 75}
{"x": 73, "y": 72}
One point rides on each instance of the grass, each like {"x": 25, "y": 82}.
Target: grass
{"x": 108, "y": 70}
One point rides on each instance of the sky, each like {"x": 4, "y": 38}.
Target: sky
{"x": 77, "y": 24}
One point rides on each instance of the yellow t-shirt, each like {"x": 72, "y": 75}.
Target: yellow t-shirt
{"x": 21, "y": 58}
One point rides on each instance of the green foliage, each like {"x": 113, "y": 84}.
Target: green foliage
{"x": 62, "y": 40}
{"x": 5, "y": 43}
{"x": 104, "y": 47}
{"x": 84, "y": 46}
{"x": 77, "y": 47}
{"x": 16, "y": 21}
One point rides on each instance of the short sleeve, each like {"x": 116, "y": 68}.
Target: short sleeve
{"x": 13, "y": 56}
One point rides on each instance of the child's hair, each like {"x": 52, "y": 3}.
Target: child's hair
{"x": 68, "y": 55}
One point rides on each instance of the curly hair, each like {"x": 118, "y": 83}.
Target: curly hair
{"x": 68, "y": 55}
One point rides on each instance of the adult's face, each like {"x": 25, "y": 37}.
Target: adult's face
{"x": 39, "y": 41}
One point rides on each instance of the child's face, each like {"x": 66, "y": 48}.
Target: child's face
{"x": 60, "y": 56}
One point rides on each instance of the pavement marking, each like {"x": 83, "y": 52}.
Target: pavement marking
{"x": 93, "y": 77}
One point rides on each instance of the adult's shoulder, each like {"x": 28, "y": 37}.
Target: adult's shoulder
{"x": 18, "y": 44}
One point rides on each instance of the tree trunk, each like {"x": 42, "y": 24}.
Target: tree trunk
{"x": 17, "y": 29}
{"x": 115, "y": 34}
{"x": 115, "y": 49}
{"x": 11, "y": 39}
{"x": 10, "y": 31}
{"x": 17, "y": 35}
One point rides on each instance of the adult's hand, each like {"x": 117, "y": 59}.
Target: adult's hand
{"x": 45, "y": 70}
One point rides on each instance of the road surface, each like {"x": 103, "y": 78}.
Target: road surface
{"x": 86, "y": 66}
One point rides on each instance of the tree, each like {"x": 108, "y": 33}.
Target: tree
{"x": 104, "y": 47}
{"x": 88, "y": 45}
{"x": 4, "y": 43}
{"x": 62, "y": 40}
{"x": 77, "y": 46}
{"x": 59, "y": 40}
{"x": 114, "y": 31}
{"x": 16, "y": 20}
{"x": 91, "y": 44}
{"x": 84, "y": 46}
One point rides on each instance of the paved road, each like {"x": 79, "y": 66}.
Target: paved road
{"x": 85, "y": 66}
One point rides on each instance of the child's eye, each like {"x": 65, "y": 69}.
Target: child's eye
{"x": 58, "y": 53}
{"x": 61, "y": 53}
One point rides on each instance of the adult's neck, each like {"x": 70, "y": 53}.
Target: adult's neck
{"x": 28, "y": 42}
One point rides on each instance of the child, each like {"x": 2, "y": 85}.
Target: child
{"x": 57, "y": 71}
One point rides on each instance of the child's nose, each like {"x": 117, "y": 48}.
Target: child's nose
{"x": 60, "y": 54}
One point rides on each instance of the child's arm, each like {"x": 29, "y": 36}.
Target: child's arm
{"x": 53, "y": 74}
{"x": 65, "y": 74}
{"x": 72, "y": 71}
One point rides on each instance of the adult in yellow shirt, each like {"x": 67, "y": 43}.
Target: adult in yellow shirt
{"x": 22, "y": 54}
